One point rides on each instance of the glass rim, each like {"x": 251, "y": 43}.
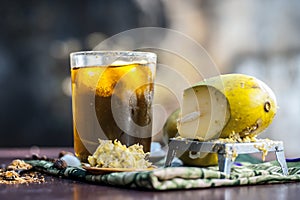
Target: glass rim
{"x": 122, "y": 53}
{"x": 107, "y": 58}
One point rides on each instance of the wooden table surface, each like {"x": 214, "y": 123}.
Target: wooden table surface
{"x": 57, "y": 188}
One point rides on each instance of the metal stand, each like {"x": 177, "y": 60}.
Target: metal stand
{"x": 227, "y": 151}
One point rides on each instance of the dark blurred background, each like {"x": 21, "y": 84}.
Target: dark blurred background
{"x": 36, "y": 37}
{"x": 259, "y": 38}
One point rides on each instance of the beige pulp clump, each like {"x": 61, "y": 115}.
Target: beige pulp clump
{"x": 112, "y": 154}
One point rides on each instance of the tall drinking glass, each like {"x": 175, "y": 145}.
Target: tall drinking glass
{"x": 112, "y": 94}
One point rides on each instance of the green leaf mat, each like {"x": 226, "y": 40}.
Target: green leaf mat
{"x": 180, "y": 177}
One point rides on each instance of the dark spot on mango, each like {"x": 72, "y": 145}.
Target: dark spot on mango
{"x": 267, "y": 106}
{"x": 255, "y": 86}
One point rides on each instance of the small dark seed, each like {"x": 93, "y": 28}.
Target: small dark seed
{"x": 44, "y": 158}
{"x": 60, "y": 164}
{"x": 35, "y": 157}
{"x": 62, "y": 153}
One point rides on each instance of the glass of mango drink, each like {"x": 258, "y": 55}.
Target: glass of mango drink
{"x": 112, "y": 94}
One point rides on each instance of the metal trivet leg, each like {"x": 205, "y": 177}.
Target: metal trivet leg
{"x": 225, "y": 163}
{"x": 227, "y": 151}
{"x": 170, "y": 156}
{"x": 282, "y": 162}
